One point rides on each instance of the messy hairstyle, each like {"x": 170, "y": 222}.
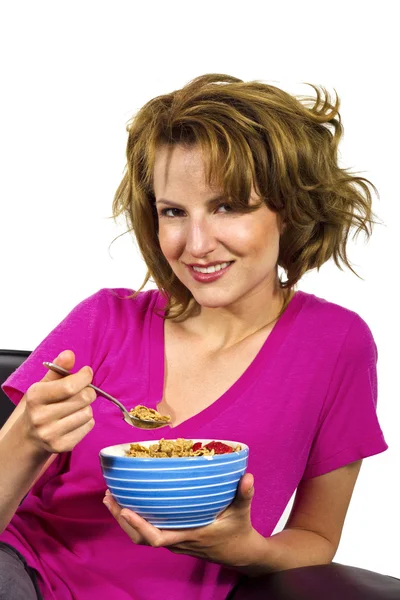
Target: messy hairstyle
{"x": 250, "y": 134}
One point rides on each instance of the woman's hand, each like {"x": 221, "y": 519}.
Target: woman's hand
{"x": 58, "y": 414}
{"x": 227, "y": 541}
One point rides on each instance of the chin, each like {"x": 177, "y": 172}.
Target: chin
{"x": 213, "y": 300}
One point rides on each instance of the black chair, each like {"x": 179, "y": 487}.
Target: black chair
{"x": 322, "y": 582}
{"x": 9, "y": 361}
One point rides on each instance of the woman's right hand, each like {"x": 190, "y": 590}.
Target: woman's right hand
{"x": 58, "y": 414}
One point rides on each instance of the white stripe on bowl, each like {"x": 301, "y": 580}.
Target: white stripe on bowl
{"x": 139, "y": 508}
{"x": 162, "y": 498}
{"x": 179, "y": 478}
{"x": 179, "y": 520}
{"x": 168, "y": 511}
{"x": 114, "y": 487}
{"x": 192, "y": 487}
{"x": 174, "y": 525}
{"x": 227, "y": 462}
{"x": 167, "y": 507}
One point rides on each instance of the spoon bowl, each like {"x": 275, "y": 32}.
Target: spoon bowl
{"x": 127, "y": 417}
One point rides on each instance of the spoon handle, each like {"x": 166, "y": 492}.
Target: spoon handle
{"x": 64, "y": 372}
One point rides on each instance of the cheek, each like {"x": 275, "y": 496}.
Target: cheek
{"x": 171, "y": 240}
{"x": 254, "y": 238}
{"x": 236, "y": 232}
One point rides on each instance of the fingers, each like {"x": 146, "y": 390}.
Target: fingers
{"x": 57, "y": 441}
{"x": 150, "y": 534}
{"x": 245, "y": 492}
{"x": 246, "y": 484}
{"x": 61, "y": 419}
{"x": 115, "y": 510}
{"x": 139, "y": 530}
{"x": 153, "y": 536}
{"x": 59, "y": 426}
{"x": 79, "y": 402}
{"x": 65, "y": 359}
{"x": 58, "y": 412}
{"x": 59, "y": 388}
{"x": 70, "y": 384}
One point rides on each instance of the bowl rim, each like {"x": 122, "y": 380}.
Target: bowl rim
{"x": 109, "y": 451}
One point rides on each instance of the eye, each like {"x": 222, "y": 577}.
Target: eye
{"x": 171, "y": 213}
{"x": 224, "y": 208}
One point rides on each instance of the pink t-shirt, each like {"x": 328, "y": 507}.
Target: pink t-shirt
{"x": 311, "y": 395}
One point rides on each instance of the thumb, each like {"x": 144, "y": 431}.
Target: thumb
{"x": 245, "y": 491}
{"x": 65, "y": 359}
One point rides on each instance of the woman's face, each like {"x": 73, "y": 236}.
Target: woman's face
{"x": 221, "y": 256}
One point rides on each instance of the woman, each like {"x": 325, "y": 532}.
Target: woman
{"x": 226, "y": 181}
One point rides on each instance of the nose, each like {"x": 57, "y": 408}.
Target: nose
{"x": 200, "y": 239}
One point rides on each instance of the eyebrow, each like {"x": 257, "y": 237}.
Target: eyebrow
{"x": 213, "y": 200}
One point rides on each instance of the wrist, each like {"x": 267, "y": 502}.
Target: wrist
{"x": 31, "y": 446}
{"x": 255, "y": 562}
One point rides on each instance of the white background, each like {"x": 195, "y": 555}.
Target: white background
{"x": 74, "y": 72}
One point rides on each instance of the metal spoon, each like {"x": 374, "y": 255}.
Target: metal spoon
{"x": 128, "y": 418}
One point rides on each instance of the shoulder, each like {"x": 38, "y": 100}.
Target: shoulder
{"x": 321, "y": 311}
{"x": 121, "y": 301}
{"x": 334, "y": 325}
{"x": 109, "y": 313}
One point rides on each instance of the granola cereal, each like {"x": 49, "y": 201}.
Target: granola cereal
{"x": 149, "y": 414}
{"x": 178, "y": 448}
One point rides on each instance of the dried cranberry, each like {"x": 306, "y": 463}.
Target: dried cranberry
{"x": 219, "y": 447}
{"x": 196, "y": 446}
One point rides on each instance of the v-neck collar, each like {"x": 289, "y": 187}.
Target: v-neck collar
{"x": 264, "y": 357}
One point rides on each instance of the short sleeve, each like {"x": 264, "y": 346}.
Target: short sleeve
{"x": 80, "y": 332}
{"x": 348, "y": 429}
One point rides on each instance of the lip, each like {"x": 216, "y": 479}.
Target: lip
{"x": 208, "y": 277}
{"x": 210, "y": 264}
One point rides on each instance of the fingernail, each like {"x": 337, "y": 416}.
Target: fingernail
{"x": 108, "y": 493}
{"x": 62, "y": 355}
{"x": 107, "y": 504}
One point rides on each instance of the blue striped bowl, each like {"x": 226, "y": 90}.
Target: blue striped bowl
{"x": 174, "y": 493}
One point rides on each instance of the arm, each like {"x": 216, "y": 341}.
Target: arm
{"x": 52, "y": 417}
{"x": 21, "y": 466}
{"x": 311, "y": 535}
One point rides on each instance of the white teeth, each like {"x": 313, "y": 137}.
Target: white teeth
{"x": 211, "y": 269}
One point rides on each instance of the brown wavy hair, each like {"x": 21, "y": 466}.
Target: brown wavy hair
{"x": 251, "y": 134}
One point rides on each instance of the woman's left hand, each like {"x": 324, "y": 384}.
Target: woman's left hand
{"x": 226, "y": 541}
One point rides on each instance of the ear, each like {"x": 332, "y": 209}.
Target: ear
{"x": 281, "y": 224}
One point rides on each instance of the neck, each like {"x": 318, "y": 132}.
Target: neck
{"x": 227, "y": 326}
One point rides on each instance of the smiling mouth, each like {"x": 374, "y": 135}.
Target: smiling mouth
{"x": 211, "y": 268}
